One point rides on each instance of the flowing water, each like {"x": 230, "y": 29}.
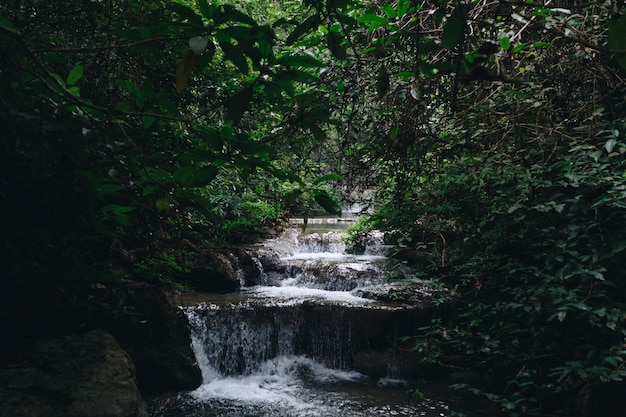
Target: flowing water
{"x": 303, "y": 341}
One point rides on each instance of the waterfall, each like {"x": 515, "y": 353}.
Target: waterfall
{"x": 303, "y": 341}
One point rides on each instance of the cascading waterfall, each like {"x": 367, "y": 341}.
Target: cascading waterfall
{"x": 308, "y": 344}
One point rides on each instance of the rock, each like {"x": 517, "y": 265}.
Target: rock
{"x": 86, "y": 375}
{"x": 213, "y": 272}
{"x": 154, "y": 332}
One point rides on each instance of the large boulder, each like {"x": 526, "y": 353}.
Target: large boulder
{"x": 153, "y": 331}
{"x": 214, "y": 272}
{"x": 86, "y": 375}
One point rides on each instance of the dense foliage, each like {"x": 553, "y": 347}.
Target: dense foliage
{"x": 500, "y": 150}
{"x": 136, "y": 133}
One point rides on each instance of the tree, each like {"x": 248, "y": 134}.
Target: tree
{"x": 500, "y": 141}
{"x": 128, "y": 125}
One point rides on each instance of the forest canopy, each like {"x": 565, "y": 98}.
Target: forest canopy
{"x": 493, "y": 134}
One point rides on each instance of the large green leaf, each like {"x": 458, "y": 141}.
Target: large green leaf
{"x": 300, "y": 61}
{"x": 374, "y": 21}
{"x": 309, "y": 24}
{"x": 75, "y": 74}
{"x": 617, "y": 39}
{"x": 333, "y": 40}
{"x": 453, "y": 28}
{"x": 205, "y": 9}
{"x": 327, "y": 202}
{"x": 230, "y": 14}
{"x": 327, "y": 178}
{"x": 238, "y": 104}
{"x": 187, "y": 15}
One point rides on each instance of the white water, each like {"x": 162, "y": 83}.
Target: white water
{"x": 247, "y": 358}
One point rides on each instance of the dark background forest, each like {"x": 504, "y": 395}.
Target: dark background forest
{"x": 137, "y": 136}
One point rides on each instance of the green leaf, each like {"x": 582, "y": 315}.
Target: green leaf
{"x": 453, "y": 29}
{"x": 147, "y": 121}
{"x": 382, "y": 81}
{"x": 187, "y": 15}
{"x": 505, "y": 43}
{"x": 327, "y": 178}
{"x": 205, "y": 9}
{"x": 292, "y": 196}
{"x": 402, "y": 7}
{"x": 300, "y": 61}
{"x": 389, "y": 11}
{"x": 609, "y": 145}
{"x": 617, "y": 39}
{"x": 309, "y": 24}
{"x": 6, "y": 23}
{"x": 373, "y": 20}
{"x": 75, "y": 74}
{"x": 333, "y": 40}
{"x": 117, "y": 213}
{"x": 238, "y": 104}
{"x": 318, "y": 133}
{"x": 130, "y": 87}
{"x": 327, "y": 202}
{"x": 230, "y": 14}
{"x": 235, "y": 54}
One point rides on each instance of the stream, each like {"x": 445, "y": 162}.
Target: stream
{"x": 304, "y": 340}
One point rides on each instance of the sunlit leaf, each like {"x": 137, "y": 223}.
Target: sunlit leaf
{"x": 402, "y": 7}
{"x": 505, "y": 43}
{"x": 389, "y": 11}
{"x": 75, "y": 74}
{"x": 373, "y": 20}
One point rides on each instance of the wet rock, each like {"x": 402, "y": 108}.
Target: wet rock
{"x": 399, "y": 361}
{"x": 154, "y": 332}
{"x": 213, "y": 272}
{"x": 86, "y": 375}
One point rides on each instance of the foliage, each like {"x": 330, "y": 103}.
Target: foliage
{"x": 493, "y": 133}
{"x": 499, "y": 153}
{"x": 130, "y": 125}
{"x": 163, "y": 270}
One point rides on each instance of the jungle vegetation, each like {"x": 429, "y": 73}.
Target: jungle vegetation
{"x": 494, "y": 134}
